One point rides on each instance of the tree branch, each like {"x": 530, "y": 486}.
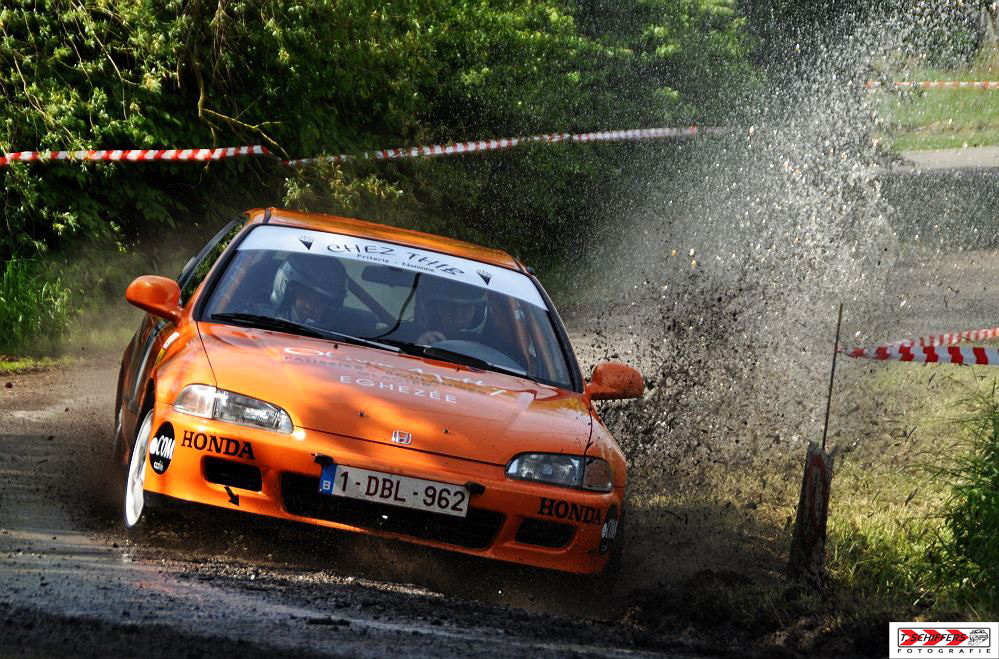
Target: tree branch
{"x": 255, "y": 128}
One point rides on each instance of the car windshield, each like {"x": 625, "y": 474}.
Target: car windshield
{"x": 390, "y": 297}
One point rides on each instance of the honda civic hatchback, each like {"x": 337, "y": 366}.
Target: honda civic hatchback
{"x": 370, "y": 379}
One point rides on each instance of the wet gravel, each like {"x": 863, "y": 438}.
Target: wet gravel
{"x": 204, "y": 584}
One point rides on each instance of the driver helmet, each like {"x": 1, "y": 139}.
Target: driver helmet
{"x": 449, "y": 305}
{"x": 322, "y": 280}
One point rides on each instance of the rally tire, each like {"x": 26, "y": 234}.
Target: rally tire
{"x": 134, "y": 514}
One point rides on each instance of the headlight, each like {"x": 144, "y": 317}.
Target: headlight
{"x": 196, "y": 399}
{"x": 206, "y": 401}
{"x": 565, "y": 470}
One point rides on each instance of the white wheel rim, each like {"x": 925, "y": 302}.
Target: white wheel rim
{"x": 137, "y": 474}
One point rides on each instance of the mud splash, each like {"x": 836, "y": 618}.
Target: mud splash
{"x": 725, "y": 288}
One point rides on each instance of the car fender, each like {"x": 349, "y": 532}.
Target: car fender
{"x": 607, "y": 447}
{"x": 178, "y": 358}
{"x": 182, "y": 360}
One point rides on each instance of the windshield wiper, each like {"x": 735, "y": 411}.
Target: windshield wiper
{"x": 282, "y": 325}
{"x": 445, "y": 355}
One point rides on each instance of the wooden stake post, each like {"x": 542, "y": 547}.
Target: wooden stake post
{"x": 808, "y": 544}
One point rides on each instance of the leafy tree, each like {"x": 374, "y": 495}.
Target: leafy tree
{"x": 305, "y": 78}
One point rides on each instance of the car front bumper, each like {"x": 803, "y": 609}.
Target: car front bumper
{"x": 256, "y": 471}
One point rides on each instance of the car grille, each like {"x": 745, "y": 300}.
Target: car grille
{"x": 476, "y": 531}
{"x": 544, "y": 533}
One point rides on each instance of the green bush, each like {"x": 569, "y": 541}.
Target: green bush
{"x": 313, "y": 78}
{"x": 33, "y": 308}
{"x": 973, "y": 511}
{"x": 332, "y": 77}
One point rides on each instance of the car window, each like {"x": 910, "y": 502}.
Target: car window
{"x": 197, "y": 268}
{"x": 398, "y": 295}
{"x": 391, "y": 296}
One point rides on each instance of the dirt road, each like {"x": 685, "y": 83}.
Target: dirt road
{"x": 72, "y": 582}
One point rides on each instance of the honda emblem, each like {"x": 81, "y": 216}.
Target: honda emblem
{"x": 402, "y": 437}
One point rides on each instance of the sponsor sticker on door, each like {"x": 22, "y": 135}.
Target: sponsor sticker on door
{"x": 943, "y": 639}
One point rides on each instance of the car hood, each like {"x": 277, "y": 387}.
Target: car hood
{"x": 369, "y": 394}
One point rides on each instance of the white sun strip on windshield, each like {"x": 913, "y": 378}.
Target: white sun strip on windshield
{"x": 475, "y": 273}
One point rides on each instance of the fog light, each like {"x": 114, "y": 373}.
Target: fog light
{"x": 609, "y": 530}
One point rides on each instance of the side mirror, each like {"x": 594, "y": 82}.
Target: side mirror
{"x": 613, "y": 380}
{"x": 157, "y": 295}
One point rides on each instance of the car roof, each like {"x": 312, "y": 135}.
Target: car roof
{"x": 363, "y": 229}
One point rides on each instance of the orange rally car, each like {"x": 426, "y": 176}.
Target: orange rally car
{"x": 371, "y": 379}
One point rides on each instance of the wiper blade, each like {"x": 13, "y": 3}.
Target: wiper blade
{"x": 445, "y": 355}
{"x": 268, "y": 322}
{"x": 282, "y": 325}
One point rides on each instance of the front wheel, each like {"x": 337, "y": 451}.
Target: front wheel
{"x": 136, "y": 478}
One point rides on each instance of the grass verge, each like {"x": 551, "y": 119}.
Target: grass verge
{"x": 20, "y": 365}
{"x": 35, "y": 308}
{"x": 890, "y": 552}
{"x": 943, "y": 118}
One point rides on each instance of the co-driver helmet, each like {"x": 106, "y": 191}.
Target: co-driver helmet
{"x": 436, "y": 294}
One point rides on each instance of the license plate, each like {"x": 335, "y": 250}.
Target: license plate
{"x": 403, "y": 491}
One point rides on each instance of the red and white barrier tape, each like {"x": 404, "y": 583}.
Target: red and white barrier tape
{"x": 940, "y": 348}
{"x": 511, "y": 142}
{"x": 928, "y": 354}
{"x": 951, "y": 338}
{"x": 201, "y": 155}
{"x": 935, "y": 84}
{"x": 145, "y": 155}
{"x": 135, "y": 155}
